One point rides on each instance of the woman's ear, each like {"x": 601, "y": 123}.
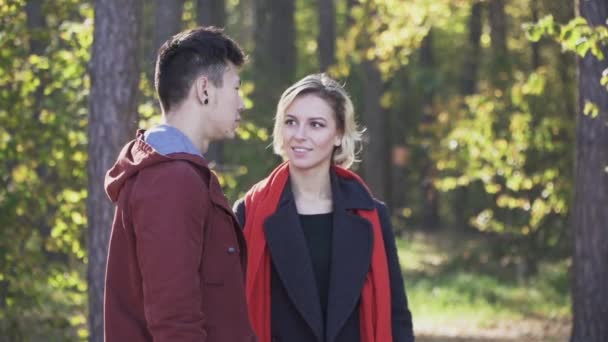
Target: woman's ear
{"x": 338, "y": 141}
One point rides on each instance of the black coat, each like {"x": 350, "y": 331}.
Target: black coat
{"x": 295, "y": 307}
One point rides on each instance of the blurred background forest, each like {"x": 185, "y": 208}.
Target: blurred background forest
{"x": 487, "y": 137}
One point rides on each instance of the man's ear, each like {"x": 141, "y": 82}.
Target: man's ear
{"x": 201, "y": 86}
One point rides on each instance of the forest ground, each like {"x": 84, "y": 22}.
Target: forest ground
{"x": 460, "y": 289}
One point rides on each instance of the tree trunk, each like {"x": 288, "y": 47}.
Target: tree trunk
{"x": 535, "y": 45}
{"x": 430, "y": 195}
{"x": 168, "y": 21}
{"x": 498, "y": 26}
{"x": 376, "y": 151}
{"x": 400, "y": 151}
{"x": 274, "y": 57}
{"x": 326, "y": 40}
{"x": 212, "y": 13}
{"x": 470, "y": 72}
{"x": 473, "y": 55}
{"x": 350, "y": 4}
{"x": 35, "y": 25}
{"x": 498, "y": 34}
{"x": 37, "y": 28}
{"x": 590, "y": 263}
{"x": 565, "y": 61}
{"x": 112, "y": 121}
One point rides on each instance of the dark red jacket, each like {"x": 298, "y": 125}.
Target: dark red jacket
{"x": 176, "y": 258}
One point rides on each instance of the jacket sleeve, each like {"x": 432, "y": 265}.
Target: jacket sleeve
{"x": 239, "y": 211}
{"x": 401, "y": 315}
{"x": 169, "y": 207}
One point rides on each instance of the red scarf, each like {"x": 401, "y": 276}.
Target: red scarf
{"x": 261, "y": 202}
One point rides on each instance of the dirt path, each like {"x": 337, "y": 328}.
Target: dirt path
{"x": 531, "y": 330}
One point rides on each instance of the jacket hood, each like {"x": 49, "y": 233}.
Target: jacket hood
{"x": 135, "y": 156}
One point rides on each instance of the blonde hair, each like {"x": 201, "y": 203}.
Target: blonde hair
{"x": 334, "y": 94}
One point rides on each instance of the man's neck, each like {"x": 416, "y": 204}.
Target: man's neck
{"x": 179, "y": 120}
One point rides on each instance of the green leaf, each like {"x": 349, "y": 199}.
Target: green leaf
{"x": 591, "y": 109}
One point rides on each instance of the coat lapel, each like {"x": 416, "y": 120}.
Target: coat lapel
{"x": 352, "y": 243}
{"x": 291, "y": 259}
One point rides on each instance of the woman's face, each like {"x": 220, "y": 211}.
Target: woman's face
{"x": 309, "y": 133}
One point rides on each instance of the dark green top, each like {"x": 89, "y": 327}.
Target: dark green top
{"x": 317, "y": 229}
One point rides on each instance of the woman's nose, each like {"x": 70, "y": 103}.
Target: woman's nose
{"x": 300, "y": 132}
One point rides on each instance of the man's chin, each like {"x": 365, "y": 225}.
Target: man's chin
{"x": 230, "y": 136}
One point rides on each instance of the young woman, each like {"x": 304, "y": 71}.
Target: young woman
{"x": 322, "y": 262}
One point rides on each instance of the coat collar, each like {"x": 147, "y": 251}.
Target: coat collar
{"x": 349, "y": 194}
{"x": 350, "y": 261}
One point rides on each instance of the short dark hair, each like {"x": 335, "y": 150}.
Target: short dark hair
{"x": 187, "y": 55}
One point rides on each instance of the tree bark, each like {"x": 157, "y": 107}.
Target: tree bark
{"x": 326, "y": 40}
{"x": 274, "y": 56}
{"x": 377, "y": 150}
{"x": 535, "y": 45}
{"x": 473, "y": 56}
{"x": 590, "y": 262}
{"x": 564, "y": 14}
{"x": 212, "y": 13}
{"x": 498, "y": 26}
{"x": 350, "y": 4}
{"x": 430, "y": 195}
{"x": 470, "y": 72}
{"x": 112, "y": 121}
{"x": 498, "y": 34}
{"x": 168, "y": 21}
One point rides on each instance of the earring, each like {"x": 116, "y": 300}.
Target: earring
{"x": 206, "y": 97}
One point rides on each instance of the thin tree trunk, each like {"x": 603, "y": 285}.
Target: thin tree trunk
{"x": 565, "y": 61}
{"x": 36, "y": 23}
{"x": 473, "y": 55}
{"x": 112, "y": 121}
{"x": 168, "y": 21}
{"x": 470, "y": 72}
{"x": 498, "y": 26}
{"x": 376, "y": 151}
{"x": 37, "y": 27}
{"x": 535, "y": 45}
{"x": 430, "y": 195}
{"x": 274, "y": 57}
{"x": 400, "y": 151}
{"x": 212, "y": 13}
{"x": 590, "y": 290}
{"x": 350, "y": 20}
{"x": 498, "y": 34}
{"x": 326, "y": 40}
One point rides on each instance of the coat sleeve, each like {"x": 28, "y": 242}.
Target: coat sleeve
{"x": 169, "y": 207}
{"x": 239, "y": 211}
{"x": 401, "y": 315}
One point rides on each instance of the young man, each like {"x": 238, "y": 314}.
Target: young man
{"x": 176, "y": 258}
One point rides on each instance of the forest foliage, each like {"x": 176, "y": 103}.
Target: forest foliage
{"x": 498, "y": 159}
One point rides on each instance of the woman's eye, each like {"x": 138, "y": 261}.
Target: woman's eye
{"x": 317, "y": 124}
{"x": 289, "y": 122}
